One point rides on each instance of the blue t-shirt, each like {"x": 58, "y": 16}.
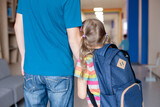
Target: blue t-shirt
{"x": 45, "y": 23}
{"x": 124, "y": 45}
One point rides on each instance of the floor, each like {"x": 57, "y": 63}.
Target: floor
{"x": 151, "y": 90}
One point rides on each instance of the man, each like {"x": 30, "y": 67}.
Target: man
{"x": 47, "y": 31}
{"x": 125, "y": 43}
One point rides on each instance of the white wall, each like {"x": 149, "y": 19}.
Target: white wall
{"x": 154, "y": 30}
{"x": 124, "y": 19}
{"x": 107, "y": 25}
{"x": 124, "y": 11}
{"x": 116, "y": 30}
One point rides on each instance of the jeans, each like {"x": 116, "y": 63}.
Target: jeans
{"x": 57, "y": 89}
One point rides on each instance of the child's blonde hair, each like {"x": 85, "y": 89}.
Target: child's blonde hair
{"x": 94, "y": 35}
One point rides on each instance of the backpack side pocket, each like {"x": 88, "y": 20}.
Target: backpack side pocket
{"x": 130, "y": 95}
{"x": 108, "y": 100}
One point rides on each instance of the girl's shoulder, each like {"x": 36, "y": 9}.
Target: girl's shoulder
{"x": 89, "y": 58}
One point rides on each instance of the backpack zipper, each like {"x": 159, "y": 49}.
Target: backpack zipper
{"x": 122, "y": 96}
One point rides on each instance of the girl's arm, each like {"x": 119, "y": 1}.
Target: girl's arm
{"x": 82, "y": 88}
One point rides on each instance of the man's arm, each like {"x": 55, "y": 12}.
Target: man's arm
{"x": 74, "y": 40}
{"x": 20, "y": 37}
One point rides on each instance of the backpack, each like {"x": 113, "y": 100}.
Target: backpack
{"x": 117, "y": 82}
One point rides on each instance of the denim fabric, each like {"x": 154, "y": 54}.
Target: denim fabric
{"x": 57, "y": 89}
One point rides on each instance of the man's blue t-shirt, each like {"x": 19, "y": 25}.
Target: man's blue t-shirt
{"x": 45, "y": 23}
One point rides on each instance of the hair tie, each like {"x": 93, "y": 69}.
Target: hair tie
{"x": 106, "y": 34}
{"x": 84, "y": 36}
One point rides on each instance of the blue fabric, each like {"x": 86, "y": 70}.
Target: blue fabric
{"x": 19, "y": 7}
{"x": 47, "y": 50}
{"x": 39, "y": 89}
{"x": 114, "y": 79}
{"x": 145, "y": 37}
{"x": 124, "y": 45}
{"x": 133, "y": 29}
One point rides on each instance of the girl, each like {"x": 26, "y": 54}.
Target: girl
{"x": 94, "y": 37}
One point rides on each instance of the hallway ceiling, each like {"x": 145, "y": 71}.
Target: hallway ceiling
{"x": 90, "y": 4}
{"x": 107, "y": 16}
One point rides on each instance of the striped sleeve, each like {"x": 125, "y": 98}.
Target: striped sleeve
{"x": 78, "y": 71}
{"x": 90, "y": 72}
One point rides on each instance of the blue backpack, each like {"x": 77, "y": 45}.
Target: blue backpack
{"x": 118, "y": 84}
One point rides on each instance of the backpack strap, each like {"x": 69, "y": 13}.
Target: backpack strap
{"x": 91, "y": 97}
{"x": 128, "y": 57}
{"x": 112, "y": 55}
{"x": 109, "y": 57}
{"x": 103, "y": 50}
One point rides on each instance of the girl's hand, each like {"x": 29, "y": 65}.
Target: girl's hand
{"x": 82, "y": 88}
{"x": 22, "y": 63}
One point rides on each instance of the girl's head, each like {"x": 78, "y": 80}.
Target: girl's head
{"x": 94, "y": 37}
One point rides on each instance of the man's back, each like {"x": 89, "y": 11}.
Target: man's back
{"x": 47, "y": 50}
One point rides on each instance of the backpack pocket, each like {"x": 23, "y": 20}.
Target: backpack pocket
{"x": 108, "y": 100}
{"x": 130, "y": 95}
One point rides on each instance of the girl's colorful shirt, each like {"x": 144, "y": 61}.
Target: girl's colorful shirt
{"x": 91, "y": 78}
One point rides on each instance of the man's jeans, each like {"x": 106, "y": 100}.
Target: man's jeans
{"x": 39, "y": 89}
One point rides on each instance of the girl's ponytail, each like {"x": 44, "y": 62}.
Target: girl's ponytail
{"x": 107, "y": 39}
{"x": 84, "y": 51}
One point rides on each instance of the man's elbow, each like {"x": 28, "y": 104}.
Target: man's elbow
{"x": 15, "y": 27}
{"x": 73, "y": 34}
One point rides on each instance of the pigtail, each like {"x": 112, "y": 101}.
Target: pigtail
{"x": 107, "y": 39}
{"x": 84, "y": 51}
{"x": 82, "y": 56}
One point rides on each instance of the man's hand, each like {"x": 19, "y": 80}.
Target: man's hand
{"x": 22, "y": 64}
